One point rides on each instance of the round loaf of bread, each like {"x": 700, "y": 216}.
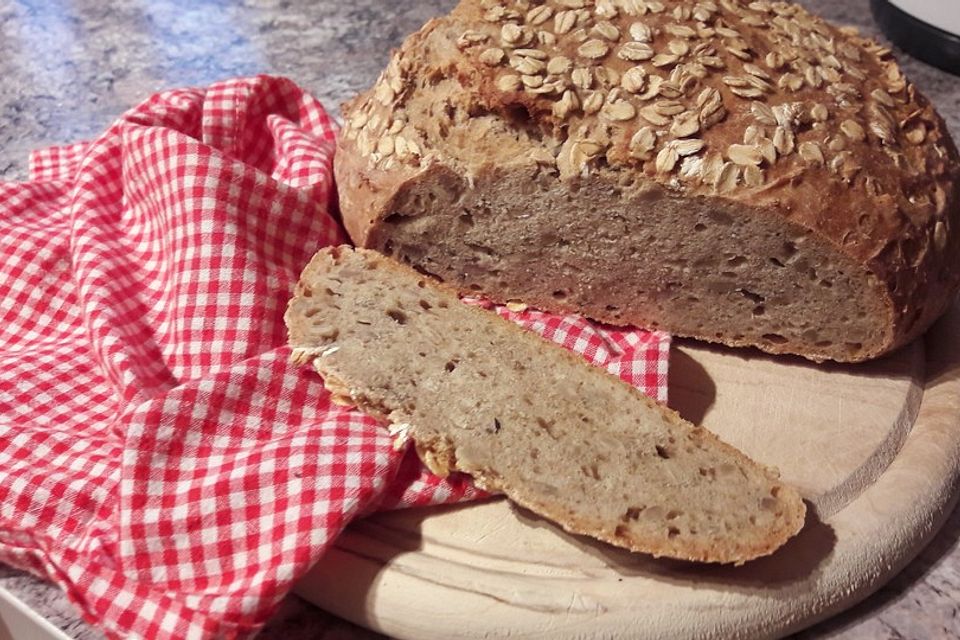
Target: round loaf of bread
{"x": 738, "y": 172}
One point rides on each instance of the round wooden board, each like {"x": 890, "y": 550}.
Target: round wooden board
{"x": 874, "y": 448}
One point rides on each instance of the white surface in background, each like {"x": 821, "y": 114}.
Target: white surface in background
{"x": 940, "y": 13}
{"x": 19, "y": 622}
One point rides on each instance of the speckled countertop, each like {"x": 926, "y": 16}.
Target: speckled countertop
{"x": 68, "y": 68}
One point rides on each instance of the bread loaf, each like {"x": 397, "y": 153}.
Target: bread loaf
{"x": 736, "y": 171}
{"x": 523, "y": 416}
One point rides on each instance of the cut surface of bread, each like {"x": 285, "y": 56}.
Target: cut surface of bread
{"x": 740, "y": 172}
{"x": 479, "y": 395}
{"x": 691, "y": 266}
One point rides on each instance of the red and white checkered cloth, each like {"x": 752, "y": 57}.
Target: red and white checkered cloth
{"x": 160, "y": 459}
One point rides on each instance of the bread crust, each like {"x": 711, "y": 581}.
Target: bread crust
{"x": 881, "y": 192}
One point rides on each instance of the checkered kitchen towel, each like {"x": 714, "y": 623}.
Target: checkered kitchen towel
{"x": 160, "y": 459}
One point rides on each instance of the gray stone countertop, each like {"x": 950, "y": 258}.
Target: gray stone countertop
{"x": 68, "y": 68}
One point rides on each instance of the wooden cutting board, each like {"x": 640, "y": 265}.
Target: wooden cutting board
{"x": 874, "y": 448}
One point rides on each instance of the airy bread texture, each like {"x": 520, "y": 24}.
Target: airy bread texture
{"x": 739, "y": 172}
{"x": 523, "y": 416}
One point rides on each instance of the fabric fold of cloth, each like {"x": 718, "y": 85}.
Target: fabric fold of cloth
{"x": 160, "y": 459}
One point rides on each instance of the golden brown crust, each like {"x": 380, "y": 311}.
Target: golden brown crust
{"x": 749, "y": 102}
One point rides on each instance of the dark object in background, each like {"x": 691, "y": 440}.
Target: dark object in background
{"x": 921, "y": 39}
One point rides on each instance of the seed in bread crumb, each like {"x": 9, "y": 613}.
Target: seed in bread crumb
{"x": 564, "y": 21}
{"x": 605, "y": 9}
{"x": 536, "y": 54}
{"x": 685, "y": 124}
{"x": 746, "y": 92}
{"x": 509, "y": 83}
{"x": 783, "y": 141}
{"x": 606, "y": 30}
{"x": 743, "y": 54}
{"x": 539, "y": 15}
{"x": 774, "y": 60}
{"x": 882, "y": 97}
{"x": 567, "y": 104}
{"x": 813, "y": 77}
{"x": 916, "y": 134}
{"x": 653, "y": 116}
{"x": 667, "y": 159}
{"x": 559, "y": 65}
{"x": 679, "y": 47}
{"x": 641, "y": 32}
{"x": 836, "y": 143}
{"x": 527, "y": 66}
{"x": 634, "y": 79}
{"x": 940, "y": 235}
{"x": 492, "y": 56}
{"x": 679, "y": 30}
{"x": 729, "y": 177}
{"x": 385, "y": 145}
{"x": 790, "y": 81}
{"x": 531, "y": 82}
{"x": 593, "y": 49}
{"x": 468, "y": 38}
{"x": 882, "y": 130}
{"x": 744, "y": 155}
{"x": 691, "y": 168}
{"x": 811, "y": 152}
{"x": 664, "y": 60}
{"x": 582, "y": 77}
{"x": 642, "y": 143}
{"x": 511, "y": 33}
{"x": 819, "y": 112}
{"x": 593, "y": 102}
{"x": 687, "y": 147}
{"x": 546, "y": 38}
{"x": 763, "y": 113}
{"x": 635, "y": 51}
{"x": 619, "y": 110}
{"x": 753, "y": 176}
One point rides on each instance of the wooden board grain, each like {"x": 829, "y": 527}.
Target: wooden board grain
{"x": 874, "y": 448}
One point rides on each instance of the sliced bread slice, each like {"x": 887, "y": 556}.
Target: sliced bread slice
{"x": 566, "y": 440}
